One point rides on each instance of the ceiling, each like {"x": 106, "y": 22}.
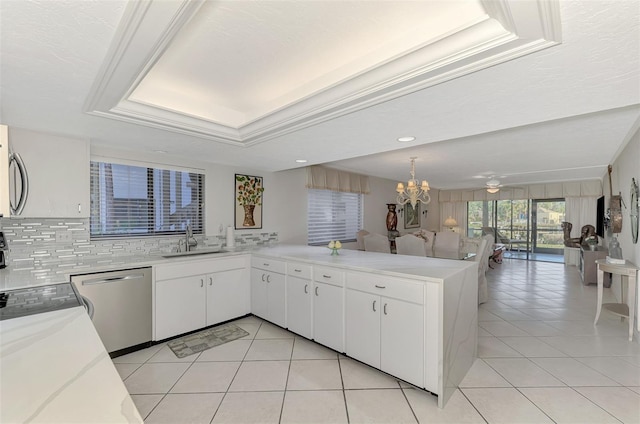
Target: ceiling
{"x": 530, "y": 91}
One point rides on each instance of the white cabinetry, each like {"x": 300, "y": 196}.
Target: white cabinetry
{"x": 227, "y": 295}
{"x": 58, "y": 171}
{"x": 180, "y": 306}
{"x": 268, "y": 290}
{"x": 193, "y": 294}
{"x": 385, "y": 324}
{"x": 328, "y": 307}
{"x": 299, "y": 289}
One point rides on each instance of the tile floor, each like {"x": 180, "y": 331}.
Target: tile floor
{"x": 540, "y": 361}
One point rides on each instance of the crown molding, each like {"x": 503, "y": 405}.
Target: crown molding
{"x": 510, "y": 29}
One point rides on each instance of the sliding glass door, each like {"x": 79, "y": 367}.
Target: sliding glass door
{"x": 546, "y": 232}
{"x": 530, "y": 228}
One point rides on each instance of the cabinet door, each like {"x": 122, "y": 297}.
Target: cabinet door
{"x": 227, "y": 295}
{"x": 276, "y": 307}
{"x": 299, "y": 305}
{"x": 402, "y": 338}
{"x": 180, "y": 306}
{"x": 259, "y": 292}
{"x": 363, "y": 327}
{"x": 58, "y": 170}
{"x": 328, "y": 316}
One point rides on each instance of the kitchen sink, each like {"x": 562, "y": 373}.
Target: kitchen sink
{"x": 204, "y": 251}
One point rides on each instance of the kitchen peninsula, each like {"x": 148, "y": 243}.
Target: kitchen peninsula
{"x": 412, "y": 317}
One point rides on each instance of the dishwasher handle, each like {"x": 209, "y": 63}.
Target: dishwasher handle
{"x": 103, "y": 280}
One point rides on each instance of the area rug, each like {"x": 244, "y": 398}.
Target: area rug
{"x": 205, "y": 339}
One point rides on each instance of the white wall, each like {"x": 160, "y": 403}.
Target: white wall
{"x": 625, "y": 167}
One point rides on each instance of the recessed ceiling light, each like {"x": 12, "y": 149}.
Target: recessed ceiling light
{"x": 406, "y": 139}
{"x": 301, "y": 160}
{"x": 160, "y": 151}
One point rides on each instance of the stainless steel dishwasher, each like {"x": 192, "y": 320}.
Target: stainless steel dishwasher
{"x": 122, "y": 305}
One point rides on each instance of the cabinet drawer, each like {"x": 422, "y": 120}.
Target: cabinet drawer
{"x": 189, "y": 268}
{"x": 329, "y": 275}
{"x": 268, "y": 264}
{"x": 299, "y": 270}
{"x": 397, "y": 288}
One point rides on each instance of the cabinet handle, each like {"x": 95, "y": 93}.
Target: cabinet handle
{"x": 326, "y": 276}
{"x": 384, "y": 309}
{"x": 265, "y": 264}
{"x": 263, "y": 278}
{"x": 79, "y": 207}
{"x": 297, "y": 270}
{"x": 316, "y": 290}
{"x": 201, "y": 282}
{"x": 211, "y": 281}
{"x": 268, "y": 278}
{"x": 380, "y": 287}
{"x": 374, "y": 305}
{"x": 305, "y": 288}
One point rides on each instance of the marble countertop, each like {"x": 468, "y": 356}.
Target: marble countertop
{"x": 424, "y": 268}
{"x": 54, "y": 368}
{"x": 17, "y": 276}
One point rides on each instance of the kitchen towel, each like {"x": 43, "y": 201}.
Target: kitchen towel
{"x": 231, "y": 238}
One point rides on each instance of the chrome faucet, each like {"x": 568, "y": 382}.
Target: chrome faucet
{"x": 190, "y": 241}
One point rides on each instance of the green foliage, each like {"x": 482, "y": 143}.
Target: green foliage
{"x": 249, "y": 190}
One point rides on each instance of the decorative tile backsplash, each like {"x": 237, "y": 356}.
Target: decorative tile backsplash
{"x": 42, "y": 241}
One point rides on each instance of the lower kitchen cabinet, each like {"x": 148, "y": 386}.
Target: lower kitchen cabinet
{"x": 384, "y": 332}
{"x": 227, "y": 295}
{"x": 268, "y": 296}
{"x": 402, "y": 340}
{"x": 180, "y": 306}
{"x": 363, "y": 327}
{"x": 328, "y": 315}
{"x": 219, "y": 291}
{"x": 299, "y": 305}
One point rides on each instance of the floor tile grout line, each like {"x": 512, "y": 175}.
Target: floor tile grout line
{"x": 344, "y": 394}
{"x": 408, "y": 403}
{"x": 286, "y": 383}
{"x": 472, "y": 404}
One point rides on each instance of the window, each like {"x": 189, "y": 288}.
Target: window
{"x": 333, "y": 215}
{"x": 137, "y": 201}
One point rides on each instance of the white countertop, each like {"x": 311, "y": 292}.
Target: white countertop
{"x": 433, "y": 269}
{"x": 423, "y": 268}
{"x": 54, "y": 368}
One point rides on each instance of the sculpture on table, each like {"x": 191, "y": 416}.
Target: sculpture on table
{"x": 587, "y": 235}
{"x": 392, "y": 217}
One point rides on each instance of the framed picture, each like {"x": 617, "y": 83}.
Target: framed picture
{"x": 248, "y": 201}
{"x": 412, "y": 216}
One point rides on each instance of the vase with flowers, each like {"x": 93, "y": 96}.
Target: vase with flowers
{"x": 334, "y": 246}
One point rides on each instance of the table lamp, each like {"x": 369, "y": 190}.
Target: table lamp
{"x": 450, "y": 223}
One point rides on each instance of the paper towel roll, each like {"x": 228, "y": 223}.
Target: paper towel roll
{"x": 231, "y": 238}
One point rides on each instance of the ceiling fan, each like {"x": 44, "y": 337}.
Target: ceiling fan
{"x": 493, "y": 185}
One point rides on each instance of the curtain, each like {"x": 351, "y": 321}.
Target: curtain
{"x": 457, "y": 210}
{"x": 580, "y": 211}
{"x": 321, "y": 178}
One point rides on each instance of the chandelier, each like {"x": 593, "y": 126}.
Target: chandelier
{"x": 413, "y": 193}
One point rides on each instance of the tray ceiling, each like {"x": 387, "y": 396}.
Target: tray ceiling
{"x": 243, "y": 72}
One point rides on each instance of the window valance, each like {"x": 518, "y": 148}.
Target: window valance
{"x": 322, "y": 178}
{"x": 590, "y": 188}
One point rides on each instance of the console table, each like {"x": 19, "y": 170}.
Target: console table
{"x": 628, "y": 273}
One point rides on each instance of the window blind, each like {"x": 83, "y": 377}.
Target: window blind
{"x": 333, "y": 215}
{"x": 128, "y": 200}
